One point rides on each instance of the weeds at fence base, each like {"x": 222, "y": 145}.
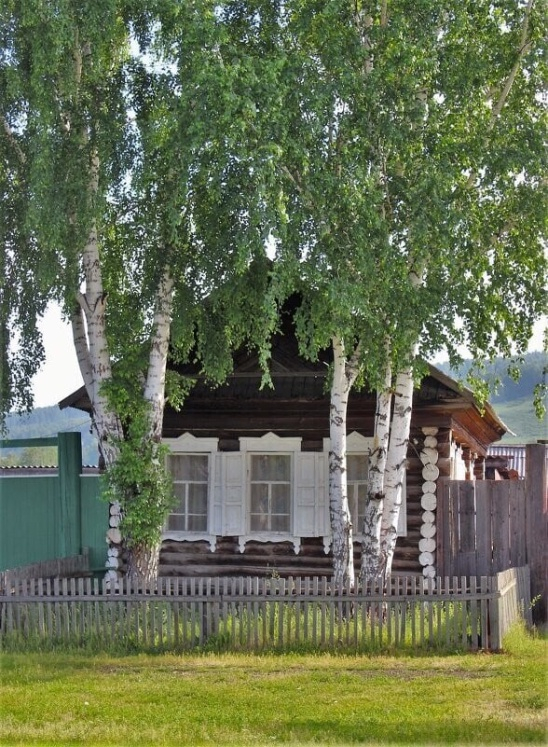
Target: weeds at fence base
{"x": 157, "y": 627}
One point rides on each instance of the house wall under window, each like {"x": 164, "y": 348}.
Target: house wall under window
{"x": 268, "y": 491}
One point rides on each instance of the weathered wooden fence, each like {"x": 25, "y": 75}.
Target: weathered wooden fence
{"x": 256, "y": 614}
{"x": 481, "y": 526}
{"x": 486, "y": 526}
{"x": 75, "y": 565}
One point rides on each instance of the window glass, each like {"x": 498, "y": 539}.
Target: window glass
{"x": 271, "y": 467}
{"x": 270, "y": 493}
{"x": 357, "y": 471}
{"x": 190, "y": 485}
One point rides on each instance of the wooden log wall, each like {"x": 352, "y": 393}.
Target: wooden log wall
{"x": 279, "y": 558}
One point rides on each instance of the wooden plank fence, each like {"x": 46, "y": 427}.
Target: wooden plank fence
{"x": 258, "y": 614}
{"x": 481, "y": 526}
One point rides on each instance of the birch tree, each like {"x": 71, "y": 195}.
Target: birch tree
{"x": 409, "y": 150}
{"x": 124, "y": 202}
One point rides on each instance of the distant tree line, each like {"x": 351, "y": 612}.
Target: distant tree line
{"x": 507, "y": 380}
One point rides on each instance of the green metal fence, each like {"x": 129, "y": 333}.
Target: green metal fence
{"x": 46, "y": 516}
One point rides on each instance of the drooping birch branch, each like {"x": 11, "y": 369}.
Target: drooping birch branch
{"x": 523, "y": 48}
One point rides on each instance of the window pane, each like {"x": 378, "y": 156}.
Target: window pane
{"x": 259, "y": 498}
{"x": 269, "y": 467}
{"x": 259, "y": 523}
{"x": 356, "y": 467}
{"x": 197, "y": 498}
{"x": 270, "y": 493}
{"x": 179, "y": 491}
{"x": 197, "y": 523}
{"x": 176, "y": 523}
{"x": 362, "y": 498}
{"x": 280, "y": 523}
{"x": 280, "y": 499}
{"x": 190, "y": 474}
{"x": 189, "y": 467}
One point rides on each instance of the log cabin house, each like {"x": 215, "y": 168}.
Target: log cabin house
{"x": 250, "y": 468}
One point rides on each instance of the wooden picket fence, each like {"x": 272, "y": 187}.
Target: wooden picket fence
{"x": 258, "y": 614}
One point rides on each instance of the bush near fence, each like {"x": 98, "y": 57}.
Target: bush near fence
{"x": 262, "y": 614}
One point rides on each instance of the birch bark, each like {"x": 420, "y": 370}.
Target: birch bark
{"x": 344, "y": 376}
{"x": 90, "y": 338}
{"x": 371, "y": 546}
{"x": 395, "y": 468}
{"x": 144, "y": 557}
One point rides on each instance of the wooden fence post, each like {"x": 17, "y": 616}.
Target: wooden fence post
{"x": 70, "y": 465}
{"x": 537, "y": 527}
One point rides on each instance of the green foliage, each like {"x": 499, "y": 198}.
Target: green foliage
{"x": 412, "y": 144}
{"x": 140, "y": 483}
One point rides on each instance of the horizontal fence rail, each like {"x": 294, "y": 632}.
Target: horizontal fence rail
{"x": 258, "y": 614}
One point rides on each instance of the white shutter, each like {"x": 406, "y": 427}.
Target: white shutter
{"x": 306, "y": 490}
{"x": 234, "y": 502}
{"x": 216, "y": 502}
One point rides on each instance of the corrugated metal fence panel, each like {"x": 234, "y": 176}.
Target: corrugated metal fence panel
{"x": 515, "y": 454}
{"x": 29, "y": 520}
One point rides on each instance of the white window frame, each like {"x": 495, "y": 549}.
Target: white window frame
{"x": 269, "y": 444}
{"x": 189, "y": 444}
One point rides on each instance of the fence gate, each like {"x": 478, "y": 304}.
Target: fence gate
{"x": 481, "y": 526}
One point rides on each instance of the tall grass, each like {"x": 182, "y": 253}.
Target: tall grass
{"x": 158, "y": 626}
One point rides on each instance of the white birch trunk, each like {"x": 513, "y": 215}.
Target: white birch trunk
{"x": 90, "y": 340}
{"x": 395, "y": 467}
{"x": 154, "y": 393}
{"x": 143, "y": 560}
{"x": 371, "y": 546}
{"x": 344, "y": 375}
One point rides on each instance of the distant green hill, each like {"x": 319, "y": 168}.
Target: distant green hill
{"x": 533, "y": 370}
{"x": 511, "y": 399}
{"x": 519, "y": 416}
{"x": 45, "y": 422}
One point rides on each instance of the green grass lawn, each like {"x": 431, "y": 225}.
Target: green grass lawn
{"x": 229, "y": 699}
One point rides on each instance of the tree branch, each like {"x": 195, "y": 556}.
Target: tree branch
{"x": 13, "y": 140}
{"x": 81, "y": 347}
{"x": 524, "y": 46}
